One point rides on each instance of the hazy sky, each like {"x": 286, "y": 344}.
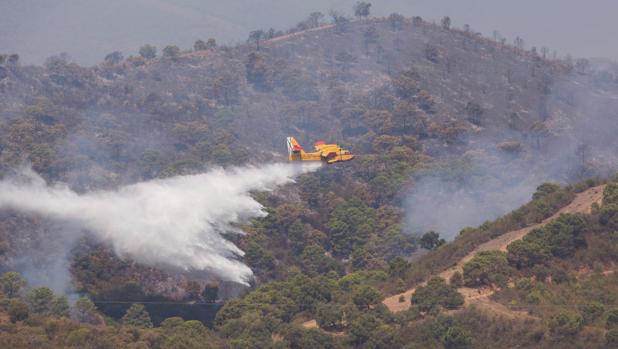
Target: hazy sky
{"x": 89, "y": 29}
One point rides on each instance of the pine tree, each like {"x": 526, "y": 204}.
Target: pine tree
{"x": 137, "y": 316}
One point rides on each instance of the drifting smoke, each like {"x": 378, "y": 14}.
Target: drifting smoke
{"x": 448, "y": 203}
{"x": 48, "y": 264}
{"x": 177, "y": 222}
{"x": 487, "y": 183}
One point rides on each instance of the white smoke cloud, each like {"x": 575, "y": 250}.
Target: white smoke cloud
{"x": 176, "y": 222}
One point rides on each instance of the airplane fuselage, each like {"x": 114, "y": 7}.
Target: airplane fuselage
{"x": 329, "y": 153}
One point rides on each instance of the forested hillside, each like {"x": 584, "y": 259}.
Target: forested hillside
{"x": 413, "y": 100}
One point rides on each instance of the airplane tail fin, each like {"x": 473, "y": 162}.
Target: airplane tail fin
{"x": 294, "y": 149}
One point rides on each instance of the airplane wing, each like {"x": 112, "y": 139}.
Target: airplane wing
{"x": 329, "y": 155}
{"x": 319, "y": 145}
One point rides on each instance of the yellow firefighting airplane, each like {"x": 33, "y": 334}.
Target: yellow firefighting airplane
{"x": 329, "y": 153}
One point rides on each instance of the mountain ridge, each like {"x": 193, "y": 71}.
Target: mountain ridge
{"x": 428, "y": 110}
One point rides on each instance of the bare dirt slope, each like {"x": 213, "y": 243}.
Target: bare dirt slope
{"x": 581, "y": 204}
{"x": 310, "y": 324}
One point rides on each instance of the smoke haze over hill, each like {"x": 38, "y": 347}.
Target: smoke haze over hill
{"x": 487, "y": 182}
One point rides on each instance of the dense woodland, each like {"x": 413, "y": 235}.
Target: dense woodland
{"x": 411, "y": 98}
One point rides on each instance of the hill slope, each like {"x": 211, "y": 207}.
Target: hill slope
{"x": 411, "y": 99}
{"x": 582, "y": 203}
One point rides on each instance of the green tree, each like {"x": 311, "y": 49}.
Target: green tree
{"x": 367, "y": 296}
{"x": 172, "y": 323}
{"x": 211, "y": 43}
{"x": 12, "y": 283}
{"x": 432, "y": 53}
{"x": 561, "y": 237}
{"x": 78, "y": 338}
{"x": 475, "y": 112}
{"x": 608, "y": 216}
{"x": 456, "y": 279}
{"x": 314, "y": 260}
{"x": 137, "y": 316}
{"x": 193, "y": 289}
{"x": 538, "y": 131}
{"x": 113, "y": 58}
{"x": 257, "y": 72}
{"x": 309, "y": 185}
{"x": 612, "y": 319}
{"x": 385, "y": 143}
{"x": 85, "y": 311}
{"x": 329, "y": 316}
{"x": 253, "y": 327}
{"x": 545, "y": 189}
{"x": 40, "y": 300}
{"x": 431, "y": 240}
{"x": 226, "y": 90}
{"x": 425, "y": 101}
{"x": 199, "y": 45}
{"x": 487, "y": 268}
{"x": 398, "y": 266}
{"x": 406, "y": 84}
{"x": 450, "y": 332}
{"x": 533, "y": 297}
{"x": 446, "y": 22}
{"x": 258, "y": 257}
{"x": 362, "y": 9}
{"x": 18, "y": 311}
{"x": 610, "y": 194}
{"x": 565, "y": 324}
{"x": 384, "y": 188}
{"x": 308, "y": 339}
{"x": 436, "y": 293}
{"x": 148, "y": 51}
{"x": 315, "y": 19}
{"x": 540, "y": 271}
{"x": 13, "y": 59}
{"x": 309, "y": 292}
{"x": 193, "y": 328}
{"x": 384, "y": 336}
{"x": 171, "y": 51}
{"x": 456, "y": 338}
{"x": 339, "y": 20}
{"x": 41, "y": 156}
{"x": 256, "y": 37}
{"x": 525, "y": 254}
{"x": 57, "y": 61}
{"x": 300, "y": 87}
{"x": 350, "y": 226}
{"x": 370, "y": 37}
{"x": 231, "y": 310}
{"x": 519, "y": 43}
{"x": 611, "y": 338}
{"x": 591, "y": 311}
{"x": 362, "y": 328}
{"x": 60, "y": 307}
{"x": 396, "y": 21}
